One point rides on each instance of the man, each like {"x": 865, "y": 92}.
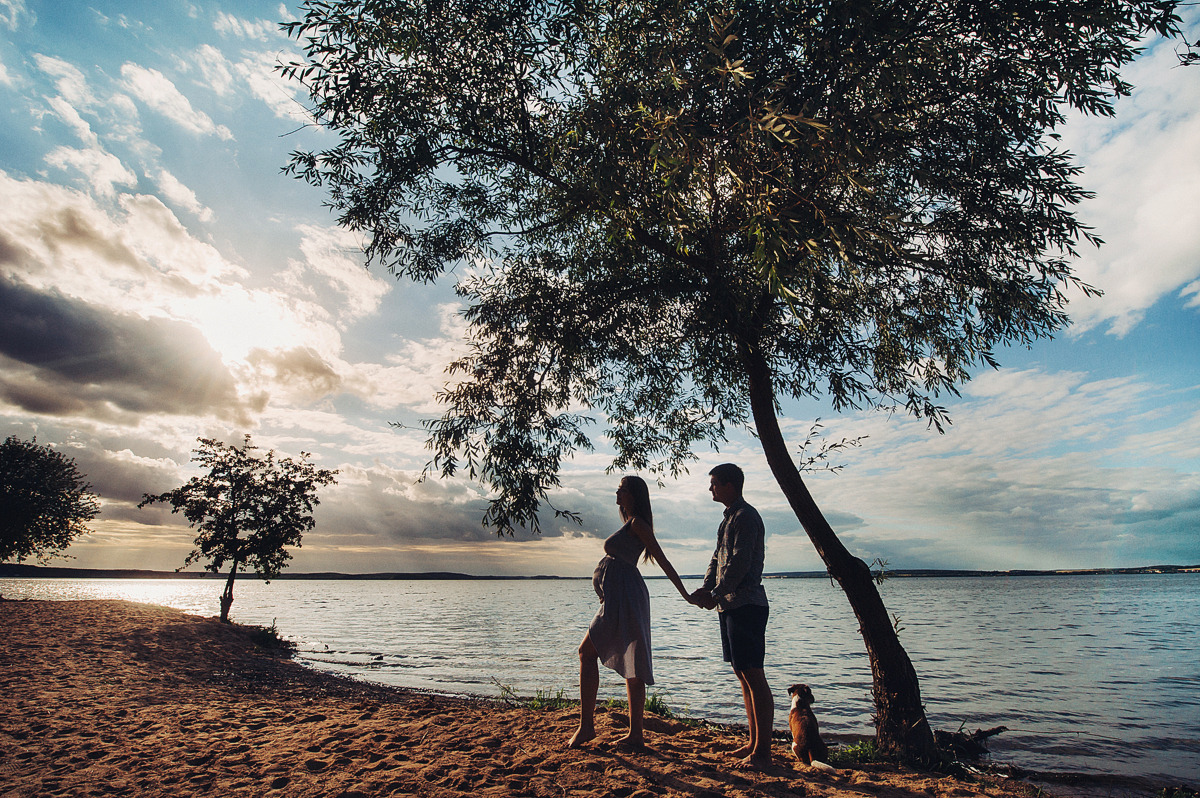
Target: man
{"x": 733, "y": 585}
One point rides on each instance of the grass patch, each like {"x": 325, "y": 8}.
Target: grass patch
{"x": 541, "y": 700}
{"x": 656, "y": 703}
{"x": 861, "y": 753}
{"x": 267, "y": 637}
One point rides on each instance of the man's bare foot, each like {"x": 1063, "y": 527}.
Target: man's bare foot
{"x": 581, "y": 736}
{"x": 743, "y": 751}
{"x": 754, "y": 761}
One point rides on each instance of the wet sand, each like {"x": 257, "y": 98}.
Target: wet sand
{"x": 116, "y": 698}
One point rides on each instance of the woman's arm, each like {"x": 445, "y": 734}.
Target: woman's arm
{"x": 646, "y": 535}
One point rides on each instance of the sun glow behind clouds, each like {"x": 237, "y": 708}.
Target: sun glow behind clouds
{"x": 237, "y": 320}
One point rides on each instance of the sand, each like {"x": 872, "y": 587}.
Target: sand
{"x": 117, "y": 698}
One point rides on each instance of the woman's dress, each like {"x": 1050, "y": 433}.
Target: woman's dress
{"x": 621, "y": 629}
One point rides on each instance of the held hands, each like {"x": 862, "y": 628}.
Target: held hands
{"x": 703, "y": 599}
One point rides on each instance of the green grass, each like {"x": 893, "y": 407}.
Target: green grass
{"x": 860, "y": 753}
{"x": 656, "y": 703}
{"x": 541, "y": 700}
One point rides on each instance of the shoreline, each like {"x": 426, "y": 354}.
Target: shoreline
{"x": 22, "y": 571}
{"x": 107, "y": 697}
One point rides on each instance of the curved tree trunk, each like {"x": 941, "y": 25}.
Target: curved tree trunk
{"x": 227, "y": 594}
{"x": 901, "y": 728}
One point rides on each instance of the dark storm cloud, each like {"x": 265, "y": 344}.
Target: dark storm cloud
{"x": 78, "y": 358}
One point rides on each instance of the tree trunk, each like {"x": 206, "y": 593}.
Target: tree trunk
{"x": 901, "y": 728}
{"x": 227, "y": 594}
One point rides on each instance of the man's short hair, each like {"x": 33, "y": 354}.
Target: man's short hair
{"x": 729, "y": 474}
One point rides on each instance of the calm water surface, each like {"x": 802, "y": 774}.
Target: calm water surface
{"x": 1089, "y": 673}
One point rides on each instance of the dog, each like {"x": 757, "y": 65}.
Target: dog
{"x": 807, "y": 744}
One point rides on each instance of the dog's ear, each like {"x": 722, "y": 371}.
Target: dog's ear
{"x": 807, "y": 693}
{"x": 792, "y": 690}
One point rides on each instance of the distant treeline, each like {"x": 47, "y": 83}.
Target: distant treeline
{"x": 16, "y": 571}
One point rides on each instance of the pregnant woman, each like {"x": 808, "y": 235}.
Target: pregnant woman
{"x": 619, "y": 635}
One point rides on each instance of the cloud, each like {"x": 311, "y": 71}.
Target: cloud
{"x": 333, "y": 260}
{"x": 12, "y": 12}
{"x": 64, "y": 356}
{"x": 103, "y": 170}
{"x": 5, "y": 78}
{"x": 1040, "y": 470}
{"x": 117, "y": 115}
{"x": 300, "y": 373}
{"x": 1144, "y": 166}
{"x": 138, "y": 260}
{"x": 72, "y": 119}
{"x": 415, "y": 374}
{"x": 181, "y": 196}
{"x": 156, "y": 91}
{"x": 214, "y": 67}
{"x": 260, "y": 30}
{"x": 259, "y": 74}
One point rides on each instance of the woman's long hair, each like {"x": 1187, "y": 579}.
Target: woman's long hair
{"x": 639, "y": 506}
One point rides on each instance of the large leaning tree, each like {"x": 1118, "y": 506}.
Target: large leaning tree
{"x": 671, "y": 215}
{"x": 248, "y": 509}
{"x": 45, "y": 501}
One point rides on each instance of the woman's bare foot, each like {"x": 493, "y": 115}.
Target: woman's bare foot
{"x": 581, "y": 736}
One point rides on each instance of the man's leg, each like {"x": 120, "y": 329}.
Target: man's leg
{"x": 760, "y": 710}
{"x": 751, "y": 718}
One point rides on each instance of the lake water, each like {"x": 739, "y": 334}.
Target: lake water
{"x": 1096, "y": 674}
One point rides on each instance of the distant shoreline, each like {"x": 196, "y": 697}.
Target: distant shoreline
{"x": 19, "y": 571}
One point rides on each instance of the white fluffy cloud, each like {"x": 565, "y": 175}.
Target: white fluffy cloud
{"x": 181, "y": 196}
{"x": 160, "y": 94}
{"x": 214, "y": 68}
{"x": 103, "y": 170}
{"x": 1144, "y": 166}
{"x": 259, "y": 30}
{"x": 258, "y": 72}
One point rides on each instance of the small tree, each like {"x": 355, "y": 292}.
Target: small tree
{"x": 45, "y": 503}
{"x": 248, "y": 509}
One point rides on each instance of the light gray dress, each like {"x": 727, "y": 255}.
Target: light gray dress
{"x": 621, "y": 629}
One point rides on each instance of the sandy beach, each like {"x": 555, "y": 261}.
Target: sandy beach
{"x": 117, "y": 698}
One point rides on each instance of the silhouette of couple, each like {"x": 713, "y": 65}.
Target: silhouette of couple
{"x": 619, "y": 635}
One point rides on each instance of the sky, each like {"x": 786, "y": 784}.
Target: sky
{"x": 162, "y": 280}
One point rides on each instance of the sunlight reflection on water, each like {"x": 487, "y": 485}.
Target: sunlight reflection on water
{"x": 1090, "y": 673}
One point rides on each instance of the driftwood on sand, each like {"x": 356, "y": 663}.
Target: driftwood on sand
{"x": 966, "y": 745}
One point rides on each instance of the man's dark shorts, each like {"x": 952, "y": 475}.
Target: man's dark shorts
{"x": 744, "y": 636}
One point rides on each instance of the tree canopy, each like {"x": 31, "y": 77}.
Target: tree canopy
{"x": 248, "y": 509}
{"x": 45, "y": 502}
{"x": 867, "y": 196}
{"x": 667, "y": 215}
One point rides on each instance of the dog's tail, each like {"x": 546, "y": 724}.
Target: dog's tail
{"x": 817, "y": 764}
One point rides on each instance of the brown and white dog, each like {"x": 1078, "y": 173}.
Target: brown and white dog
{"x": 807, "y": 744}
